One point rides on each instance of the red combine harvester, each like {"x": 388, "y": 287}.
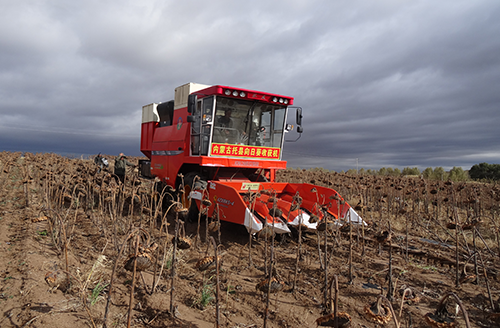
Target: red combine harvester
{"x": 224, "y": 145}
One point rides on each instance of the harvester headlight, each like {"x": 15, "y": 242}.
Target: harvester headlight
{"x": 281, "y": 100}
{"x": 227, "y": 92}
{"x": 242, "y": 94}
{"x": 235, "y": 93}
{"x": 286, "y": 101}
{"x": 275, "y": 99}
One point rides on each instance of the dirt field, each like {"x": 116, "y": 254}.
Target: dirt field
{"x": 64, "y": 228}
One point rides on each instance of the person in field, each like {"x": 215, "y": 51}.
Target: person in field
{"x": 121, "y": 164}
{"x": 101, "y": 162}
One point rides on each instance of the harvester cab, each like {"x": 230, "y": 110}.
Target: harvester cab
{"x": 222, "y": 145}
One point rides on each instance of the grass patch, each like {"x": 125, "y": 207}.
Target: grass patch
{"x": 206, "y": 296}
{"x": 96, "y": 292}
{"x": 424, "y": 267}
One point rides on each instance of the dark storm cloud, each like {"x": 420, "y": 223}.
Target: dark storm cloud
{"x": 416, "y": 95}
{"x": 386, "y": 83}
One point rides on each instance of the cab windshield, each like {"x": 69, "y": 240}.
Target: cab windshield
{"x": 243, "y": 122}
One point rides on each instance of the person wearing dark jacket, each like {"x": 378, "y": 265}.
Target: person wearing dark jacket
{"x": 121, "y": 164}
{"x": 101, "y": 162}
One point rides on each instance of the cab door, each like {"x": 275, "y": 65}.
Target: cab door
{"x": 201, "y": 127}
{"x": 196, "y": 129}
{"x": 206, "y": 123}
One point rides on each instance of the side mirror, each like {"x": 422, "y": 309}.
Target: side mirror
{"x": 191, "y": 119}
{"x": 298, "y": 120}
{"x": 298, "y": 116}
{"x": 192, "y": 98}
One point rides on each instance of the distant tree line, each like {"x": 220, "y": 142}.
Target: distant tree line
{"x": 438, "y": 173}
{"x": 478, "y": 172}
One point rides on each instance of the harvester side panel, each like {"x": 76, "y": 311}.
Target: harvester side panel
{"x": 170, "y": 149}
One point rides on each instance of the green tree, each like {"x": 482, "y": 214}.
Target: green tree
{"x": 485, "y": 171}
{"x": 427, "y": 173}
{"x": 411, "y": 171}
{"x": 439, "y": 174}
{"x": 457, "y": 174}
{"x": 382, "y": 171}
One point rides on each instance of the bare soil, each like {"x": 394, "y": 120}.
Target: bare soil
{"x": 64, "y": 227}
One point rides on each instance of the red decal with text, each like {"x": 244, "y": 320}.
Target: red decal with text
{"x": 245, "y": 151}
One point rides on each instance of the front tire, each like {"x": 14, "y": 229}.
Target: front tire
{"x": 192, "y": 181}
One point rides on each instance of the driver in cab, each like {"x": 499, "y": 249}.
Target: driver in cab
{"x": 225, "y": 128}
{"x": 226, "y": 121}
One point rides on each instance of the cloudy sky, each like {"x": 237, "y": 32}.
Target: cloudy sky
{"x": 386, "y": 83}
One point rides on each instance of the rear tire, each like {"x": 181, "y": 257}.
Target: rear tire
{"x": 193, "y": 213}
